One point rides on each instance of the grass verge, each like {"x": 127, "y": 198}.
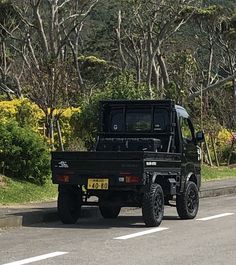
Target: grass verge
{"x": 217, "y": 173}
{"x": 14, "y": 191}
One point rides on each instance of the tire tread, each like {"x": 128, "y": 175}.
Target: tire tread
{"x": 147, "y": 206}
{"x": 181, "y": 203}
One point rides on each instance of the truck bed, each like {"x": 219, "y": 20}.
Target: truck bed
{"x": 117, "y": 167}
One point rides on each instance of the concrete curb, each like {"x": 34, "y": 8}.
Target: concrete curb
{"x": 43, "y": 216}
{"x": 30, "y": 217}
{"x": 217, "y": 192}
{"x": 10, "y": 221}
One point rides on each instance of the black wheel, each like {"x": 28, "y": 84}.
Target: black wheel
{"x": 187, "y": 203}
{"x": 69, "y": 204}
{"x": 109, "y": 212}
{"x": 153, "y": 205}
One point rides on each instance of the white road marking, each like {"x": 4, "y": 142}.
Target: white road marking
{"x": 37, "y": 258}
{"x": 215, "y": 216}
{"x": 150, "y": 231}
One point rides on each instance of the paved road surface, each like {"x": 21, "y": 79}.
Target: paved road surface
{"x": 208, "y": 240}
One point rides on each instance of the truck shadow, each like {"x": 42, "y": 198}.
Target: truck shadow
{"x": 98, "y": 222}
{"x": 90, "y": 219}
{"x": 94, "y": 220}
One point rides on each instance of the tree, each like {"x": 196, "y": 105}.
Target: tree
{"x": 48, "y": 43}
{"x": 144, "y": 29}
{"x": 217, "y": 25}
{"x": 9, "y": 73}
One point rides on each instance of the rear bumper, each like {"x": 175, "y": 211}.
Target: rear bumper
{"x": 114, "y": 181}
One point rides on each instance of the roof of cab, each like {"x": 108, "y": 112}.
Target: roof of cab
{"x": 166, "y": 102}
{"x": 138, "y": 102}
{"x": 181, "y": 112}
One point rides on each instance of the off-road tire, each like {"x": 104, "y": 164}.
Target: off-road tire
{"x": 109, "y": 212}
{"x": 187, "y": 203}
{"x": 153, "y": 205}
{"x": 69, "y": 203}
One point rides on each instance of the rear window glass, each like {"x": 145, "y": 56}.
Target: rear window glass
{"x": 138, "y": 120}
{"x": 161, "y": 119}
{"x": 117, "y": 120}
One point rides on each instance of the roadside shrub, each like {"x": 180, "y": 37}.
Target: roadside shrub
{"x": 8, "y": 109}
{"x": 222, "y": 139}
{"x": 28, "y": 114}
{"x": 223, "y": 144}
{"x": 23, "y": 153}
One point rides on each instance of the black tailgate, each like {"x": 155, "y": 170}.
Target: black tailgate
{"x": 77, "y": 167}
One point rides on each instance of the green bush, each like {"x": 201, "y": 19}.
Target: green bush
{"x": 23, "y": 153}
{"x": 86, "y": 123}
{"x": 28, "y": 114}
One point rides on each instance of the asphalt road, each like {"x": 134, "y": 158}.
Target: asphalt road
{"x": 211, "y": 240}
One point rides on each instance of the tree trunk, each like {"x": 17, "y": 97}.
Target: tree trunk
{"x": 18, "y": 86}
{"x": 208, "y": 153}
{"x": 156, "y": 73}
{"x": 151, "y": 57}
{"x": 164, "y": 72}
{"x": 138, "y": 71}
{"x": 210, "y": 61}
{"x": 75, "y": 51}
{"x": 118, "y": 34}
{"x": 149, "y": 77}
{"x": 214, "y": 150}
{"x": 59, "y": 135}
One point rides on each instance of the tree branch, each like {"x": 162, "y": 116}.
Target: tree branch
{"x": 62, "y": 4}
{"x": 214, "y": 86}
{"x": 6, "y": 89}
{"x": 40, "y": 26}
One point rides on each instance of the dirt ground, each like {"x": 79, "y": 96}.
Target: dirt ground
{"x": 2, "y": 181}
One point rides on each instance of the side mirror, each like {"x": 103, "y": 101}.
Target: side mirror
{"x": 200, "y": 137}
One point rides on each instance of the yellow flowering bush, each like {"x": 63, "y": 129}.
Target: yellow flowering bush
{"x": 21, "y": 110}
{"x": 66, "y": 112}
{"x": 66, "y": 126}
{"x": 224, "y": 137}
{"x": 8, "y": 109}
{"x": 28, "y": 114}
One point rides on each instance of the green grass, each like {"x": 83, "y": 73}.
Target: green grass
{"x": 214, "y": 173}
{"x": 14, "y": 191}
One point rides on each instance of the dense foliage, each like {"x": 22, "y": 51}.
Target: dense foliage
{"x": 23, "y": 153}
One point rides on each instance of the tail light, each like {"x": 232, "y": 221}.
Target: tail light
{"x": 131, "y": 179}
{"x": 63, "y": 178}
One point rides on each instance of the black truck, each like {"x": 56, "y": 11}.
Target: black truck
{"x": 146, "y": 155}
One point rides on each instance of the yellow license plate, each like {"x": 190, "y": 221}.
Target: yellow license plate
{"x": 97, "y": 184}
